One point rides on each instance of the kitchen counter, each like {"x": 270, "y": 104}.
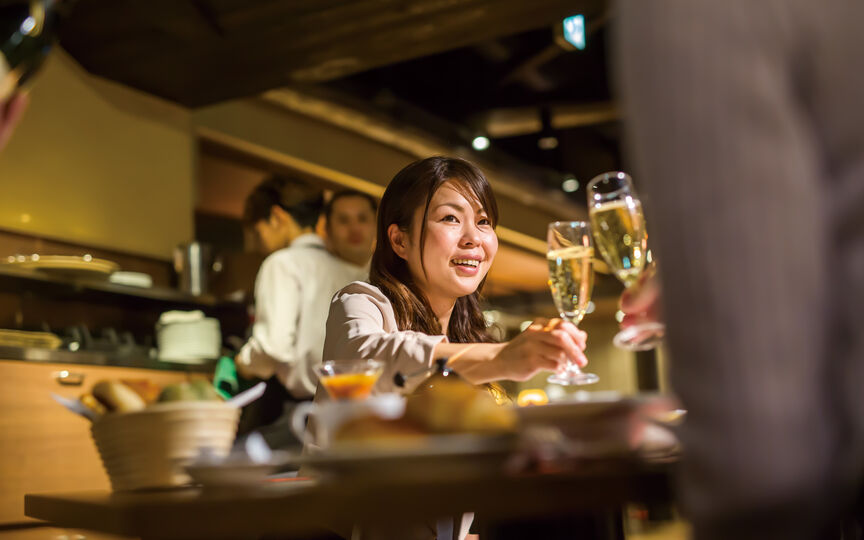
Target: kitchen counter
{"x": 96, "y": 358}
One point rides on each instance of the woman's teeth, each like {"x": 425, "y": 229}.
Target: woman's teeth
{"x": 467, "y": 262}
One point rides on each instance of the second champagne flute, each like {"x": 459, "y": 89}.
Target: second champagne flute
{"x": 571, "y": 278}
{"x": 619, "y": 229}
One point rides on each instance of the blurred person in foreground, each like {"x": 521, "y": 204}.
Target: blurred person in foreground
{"x": 350, "y": 225}
{"x": 749, "y": 144}
{"x": 292, "y": 295}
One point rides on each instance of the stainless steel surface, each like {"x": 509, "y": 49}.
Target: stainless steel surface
{"x": 193, "y": 263}
{"x": 65, "y": 377}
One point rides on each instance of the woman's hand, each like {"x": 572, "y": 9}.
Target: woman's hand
{"x": 546, "y": 345}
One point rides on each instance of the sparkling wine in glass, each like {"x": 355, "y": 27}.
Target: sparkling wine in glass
{"x": 571, "y": 278}
{"x": 620, "y": 236}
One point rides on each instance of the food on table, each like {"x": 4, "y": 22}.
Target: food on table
{"x": 199, "y": 390}
{"x": 89, "y": 401}
{"x": 448, "y": 404}
{"x": 148, "y": 390}
{"x": 117, "y": 397}
{"x": 384, "y": 432}
{"x": 443, "y": 404}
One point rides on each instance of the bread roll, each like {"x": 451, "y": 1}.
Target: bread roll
{"x": 117, "y": 397}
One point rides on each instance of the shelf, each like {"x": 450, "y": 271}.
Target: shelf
{"x": 34, "y": 279}
{"x": 99, "y": 358}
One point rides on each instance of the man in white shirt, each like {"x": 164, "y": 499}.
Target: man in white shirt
{"x": 292, "y": 293}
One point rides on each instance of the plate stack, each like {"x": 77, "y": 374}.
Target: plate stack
{"x": 188, "y": 337}
{"x": 150, "y": 448}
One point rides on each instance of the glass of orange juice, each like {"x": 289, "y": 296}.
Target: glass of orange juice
{"x": 350, "y": 379}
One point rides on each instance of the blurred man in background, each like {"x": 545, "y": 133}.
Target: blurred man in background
{"x": 350, "y": 226}
{"x": 749, "y": 145}
{"x": 293, "y": 290}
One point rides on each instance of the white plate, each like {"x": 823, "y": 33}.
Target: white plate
{"x": 66, "y": 265}
{"x": 597, "y": 424}
{"x": 246, "y": 474}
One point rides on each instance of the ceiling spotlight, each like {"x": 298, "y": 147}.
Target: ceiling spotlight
{"x": 547, "y": 143}
{"x": 570, "y": 185}
{"x": 480, "y": 143}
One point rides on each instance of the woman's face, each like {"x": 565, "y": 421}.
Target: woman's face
{"x": 460, "y": 246}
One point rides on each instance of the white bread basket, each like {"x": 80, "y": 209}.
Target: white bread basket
{"x": 150, "y": 448}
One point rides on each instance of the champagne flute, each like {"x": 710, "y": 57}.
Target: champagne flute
{"x": 619, "y": 233}
{"x": 571, "y": 278}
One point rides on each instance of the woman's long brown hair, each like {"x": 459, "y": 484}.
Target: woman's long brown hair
{"x": 413, "y": 188}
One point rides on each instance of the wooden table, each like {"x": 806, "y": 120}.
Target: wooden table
{"x": 290, "y": 508}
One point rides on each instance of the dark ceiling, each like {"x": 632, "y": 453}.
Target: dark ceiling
{"x": 456, "y": 68}
{"x": 526, "y": 72}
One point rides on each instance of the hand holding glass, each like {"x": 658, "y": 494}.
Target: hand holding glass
{"x": 571, "y": 278}
{"x": 619, "y": 233}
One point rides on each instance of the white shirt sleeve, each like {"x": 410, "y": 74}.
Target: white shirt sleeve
{"x": 356, "y": 329}
{"x": 272, "y": 349}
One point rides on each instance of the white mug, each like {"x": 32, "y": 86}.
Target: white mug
{"x": 329, "y": 416}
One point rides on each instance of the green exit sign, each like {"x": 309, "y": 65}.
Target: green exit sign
{"x": 573, "y": 31}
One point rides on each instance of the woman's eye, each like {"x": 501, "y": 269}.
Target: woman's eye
{"x": 451, "y": 218}
{"x": 484, "y": 222}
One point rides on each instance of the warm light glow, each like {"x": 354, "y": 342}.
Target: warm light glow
{"x": 25, "y": 218}
{"x": 87, "y": 257}
{"x": 532, "y": 396}
{"x": 480, "y": 143}
{"x": 570, "y": 185}
{"x": 547, "y": 143}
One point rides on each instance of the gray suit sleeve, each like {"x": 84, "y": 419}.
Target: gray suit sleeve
{"x": 731, "y": 175}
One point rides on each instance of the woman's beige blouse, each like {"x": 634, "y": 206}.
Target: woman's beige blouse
{"x": 362, "y": 324}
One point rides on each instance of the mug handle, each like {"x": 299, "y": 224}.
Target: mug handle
{"x": 301, "y": 414}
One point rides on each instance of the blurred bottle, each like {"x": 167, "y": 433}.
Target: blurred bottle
{"x": 27, "y": 32}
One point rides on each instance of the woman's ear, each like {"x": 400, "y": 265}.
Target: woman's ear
{"x": 398, "y": 240}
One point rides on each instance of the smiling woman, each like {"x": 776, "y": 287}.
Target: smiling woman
{"x": 436, "y": 243}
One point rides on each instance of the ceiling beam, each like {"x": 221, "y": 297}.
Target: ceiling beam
{"x": 510, "y": 122}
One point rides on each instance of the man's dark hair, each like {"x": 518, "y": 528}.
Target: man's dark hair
{"x": 302, "y": 201}
{"x": 344, "y": 194}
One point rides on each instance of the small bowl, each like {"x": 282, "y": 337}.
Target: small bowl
{"x": 349, "y": 379}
